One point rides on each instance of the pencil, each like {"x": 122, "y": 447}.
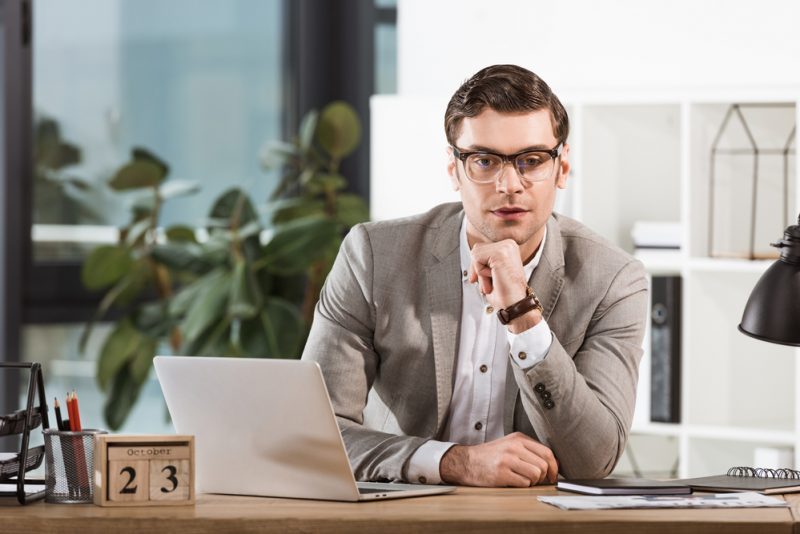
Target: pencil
{"x": 59, "y": 421}
{"x": 71, "y": 412}
{"x": 77, "y": 425}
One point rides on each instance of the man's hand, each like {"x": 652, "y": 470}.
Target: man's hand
{"x": 515, "y": 460}
{"x": 497, "y": 267}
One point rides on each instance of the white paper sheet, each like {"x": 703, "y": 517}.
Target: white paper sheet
{"x": 718, "y": 500}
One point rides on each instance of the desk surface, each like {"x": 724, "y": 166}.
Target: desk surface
{"x": 474, "y": 509}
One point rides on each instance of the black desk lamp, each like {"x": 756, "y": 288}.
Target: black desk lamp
{"x": 772, "y": 312}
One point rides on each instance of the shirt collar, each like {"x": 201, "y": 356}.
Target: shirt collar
{"x": 465, "y": 256}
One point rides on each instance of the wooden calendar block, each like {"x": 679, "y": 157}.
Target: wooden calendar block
{"x": 169, "y": 480}
{"x": 128, "y": 481}
{"x": 144, "y": 470}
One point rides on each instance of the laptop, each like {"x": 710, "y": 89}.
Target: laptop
{"x": 265, "y": 427}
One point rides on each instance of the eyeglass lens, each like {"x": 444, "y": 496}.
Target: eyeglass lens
{"x": 532, "y": 166}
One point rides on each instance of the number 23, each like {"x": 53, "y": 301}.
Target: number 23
{"x": 132, "y": 475}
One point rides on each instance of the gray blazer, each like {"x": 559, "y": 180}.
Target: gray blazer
{"x": 386, "y": 331}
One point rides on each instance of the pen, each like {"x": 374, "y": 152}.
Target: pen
{"x": 59, "y": 421}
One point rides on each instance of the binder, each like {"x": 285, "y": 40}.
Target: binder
{"x": 665, "y": 350}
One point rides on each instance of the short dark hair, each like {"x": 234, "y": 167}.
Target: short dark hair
{"x": 505, "y": 89}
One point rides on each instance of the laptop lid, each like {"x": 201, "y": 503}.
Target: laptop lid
{"x": 263, "y": 427}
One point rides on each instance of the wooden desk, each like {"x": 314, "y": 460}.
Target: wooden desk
{"x": 469, "y": 509}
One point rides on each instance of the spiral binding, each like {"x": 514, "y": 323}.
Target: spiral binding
{"x": 763, "y": 472}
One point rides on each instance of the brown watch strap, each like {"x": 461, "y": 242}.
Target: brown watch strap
{"x": 521, "y": 307}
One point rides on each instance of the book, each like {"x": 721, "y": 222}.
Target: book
{"x": 766, "y": 481}
{"x": 624, "y": 486}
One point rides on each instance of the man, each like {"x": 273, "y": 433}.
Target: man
{"x": 489, "y": 342}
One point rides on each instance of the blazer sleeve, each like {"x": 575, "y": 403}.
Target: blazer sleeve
{"x": 582, "y": 406}
{"x": 341, "y": 342}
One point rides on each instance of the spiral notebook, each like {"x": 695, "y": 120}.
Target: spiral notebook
{"x": 758, "y": 479}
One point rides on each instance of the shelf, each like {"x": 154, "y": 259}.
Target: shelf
{"x": 729, "y": 265}
{"x": 661, "y": 262}
{"x": 657, "y": 429}
{"x": 749, "y": 435}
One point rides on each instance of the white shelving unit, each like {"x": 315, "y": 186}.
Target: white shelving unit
{"x": 643, "y": 156}
{"x": 646, "y": 157}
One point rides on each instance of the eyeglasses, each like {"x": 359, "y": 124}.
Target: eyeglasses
{"x": 484, "y": 167}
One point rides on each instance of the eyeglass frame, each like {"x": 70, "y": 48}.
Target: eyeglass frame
{"x": 554, "y": 153}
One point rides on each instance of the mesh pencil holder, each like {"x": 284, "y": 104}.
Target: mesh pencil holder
{"x": 69, "y": 466}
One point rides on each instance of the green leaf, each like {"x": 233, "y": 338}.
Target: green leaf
{"x": 142, "y": 154}
{"x": 289, "y": 209}
{"x": 277, "y": 153}
{"x": 125, "y": 290}
{"x": 181, "y": 234}
{"x": 124, "y": 394}
{"x": 105, "y": 265}
{"x": 143, "y": 359}
{"x": 295, "y": 245}
{"x": 232, "y": 204}
{"x": 182, "y": 256}
{"x": 212, "y": 342}
{"x": 177, "y": 188}
{"x": 136, "y": 175}
{"x": 339, "y": 129}
{"x": 307, "y": 127}
{"x": 118, "y": 348}
{"x": 351, "y": 210}
{"x": 209, "y": 306}
{"x": 245, "y": 298}
{"x": 323, "y": 182}
{"x": 277, "y": 332}
{"x": 152, "y": 319}
{"x": 137, "y": 231}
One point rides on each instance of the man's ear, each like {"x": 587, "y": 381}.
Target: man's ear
{"x": 452, "y": 169}
{"x": 564, "y": 167}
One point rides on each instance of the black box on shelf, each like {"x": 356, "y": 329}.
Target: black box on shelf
{"x": 665, "y": 350}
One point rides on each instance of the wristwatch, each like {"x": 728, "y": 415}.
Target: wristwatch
{"x": 528, "y": 303}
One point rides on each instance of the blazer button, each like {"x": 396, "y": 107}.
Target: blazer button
{"x": 478, "y": 425}
{"x": 539, "y": 387}
{"x": 546, "y": 395}
{"x": 423, "y": 480}
{"x": 522, "y": 355}
{"x": 549, "y": 404}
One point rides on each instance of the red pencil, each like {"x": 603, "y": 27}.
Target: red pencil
{"x": 77, "y": 426}
{"x": 70, "y": 412}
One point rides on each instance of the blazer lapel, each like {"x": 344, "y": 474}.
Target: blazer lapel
{"x": 547, "y": 281}
{"x": 443, "y": 281}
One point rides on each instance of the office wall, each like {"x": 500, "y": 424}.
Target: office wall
{"x": 590, "y": 44}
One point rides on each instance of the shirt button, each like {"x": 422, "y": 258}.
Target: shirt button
{"x": 478, "y": 425}
{"x": 489, "y": 310}
{"x": 464, "y": 274}
{"x": 539, "y": 387}
{"x": 522, "y": 355}
{"x": 549, "y": 404}
{"x": 546, "y": 395}
{"x": 484, "y": 368}
{"x": 423, "y": 480}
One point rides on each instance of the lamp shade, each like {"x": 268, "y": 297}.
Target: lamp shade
{"x": 772, "y": 312}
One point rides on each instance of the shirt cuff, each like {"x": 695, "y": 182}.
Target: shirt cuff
{"x": 531, "y": 346}
{"x": 423, "y": 466}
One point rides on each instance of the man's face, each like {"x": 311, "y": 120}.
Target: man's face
{"x": 508, "y": 208}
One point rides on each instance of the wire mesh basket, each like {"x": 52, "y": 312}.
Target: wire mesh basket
{"x": 69, "y": 466}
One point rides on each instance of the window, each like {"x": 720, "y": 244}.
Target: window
{"x": 203, "y": 85}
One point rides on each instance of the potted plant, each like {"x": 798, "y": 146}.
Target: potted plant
{"x": 245, "y": 290}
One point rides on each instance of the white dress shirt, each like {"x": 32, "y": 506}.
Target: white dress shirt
{"x": 477, "y": 405}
